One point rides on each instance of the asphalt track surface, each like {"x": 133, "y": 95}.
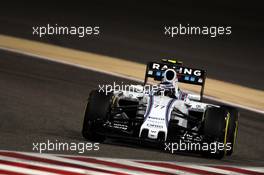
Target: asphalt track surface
{"x": 42, "y": 100}
{"x": 135, "y": 31}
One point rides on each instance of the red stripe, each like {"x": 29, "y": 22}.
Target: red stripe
{"x": 238, "y": 170}
{"x": 55, "y": 162}
{"x": 117, "y": 165}
{"x": 10, "y": 172}
{"x": 178, "y": 167}
{"x": 23, "y": 165}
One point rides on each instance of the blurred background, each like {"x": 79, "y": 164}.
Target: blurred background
{"x": 134, "y": 30}
{"x": 41, "y": 99}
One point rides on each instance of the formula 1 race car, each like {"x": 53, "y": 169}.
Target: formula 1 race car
{"x": 163, "y": 113}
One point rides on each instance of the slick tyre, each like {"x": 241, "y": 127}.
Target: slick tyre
{"x": 232, "y": 129}
{"x": 215, "y": 131}
{"x": 96, "y": 113}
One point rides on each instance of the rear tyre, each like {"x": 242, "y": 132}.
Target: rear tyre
{"x": 95, "y": 114}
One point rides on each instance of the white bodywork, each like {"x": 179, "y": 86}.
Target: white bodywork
{"x": 158, "y": 115}
{"x": 159, "y": 108}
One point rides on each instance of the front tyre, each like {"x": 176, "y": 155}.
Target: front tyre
{"x": 96, "y": 113}
{"x": 215, "y": 130}
{"x": 232, "y": 129}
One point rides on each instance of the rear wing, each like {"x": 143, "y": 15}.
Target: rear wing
{"x": 187, "y": 75}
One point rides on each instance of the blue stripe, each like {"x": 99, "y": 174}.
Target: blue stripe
{"x": 180, "y": 96}
{"x": 150, "y": 105}
{"x": 167, "y": 111}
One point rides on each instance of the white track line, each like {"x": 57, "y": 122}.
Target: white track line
{"x": 151, "y": 167}
{"x": 47, "y": 165}
{"x": 131, "y": 163}
{"x": 257, "y": 169}
{"x": 77, "y": 162}
{"x": 24, "y": 170}
{"x": 211, "y": 169}
{"x": 120, "y": 76}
